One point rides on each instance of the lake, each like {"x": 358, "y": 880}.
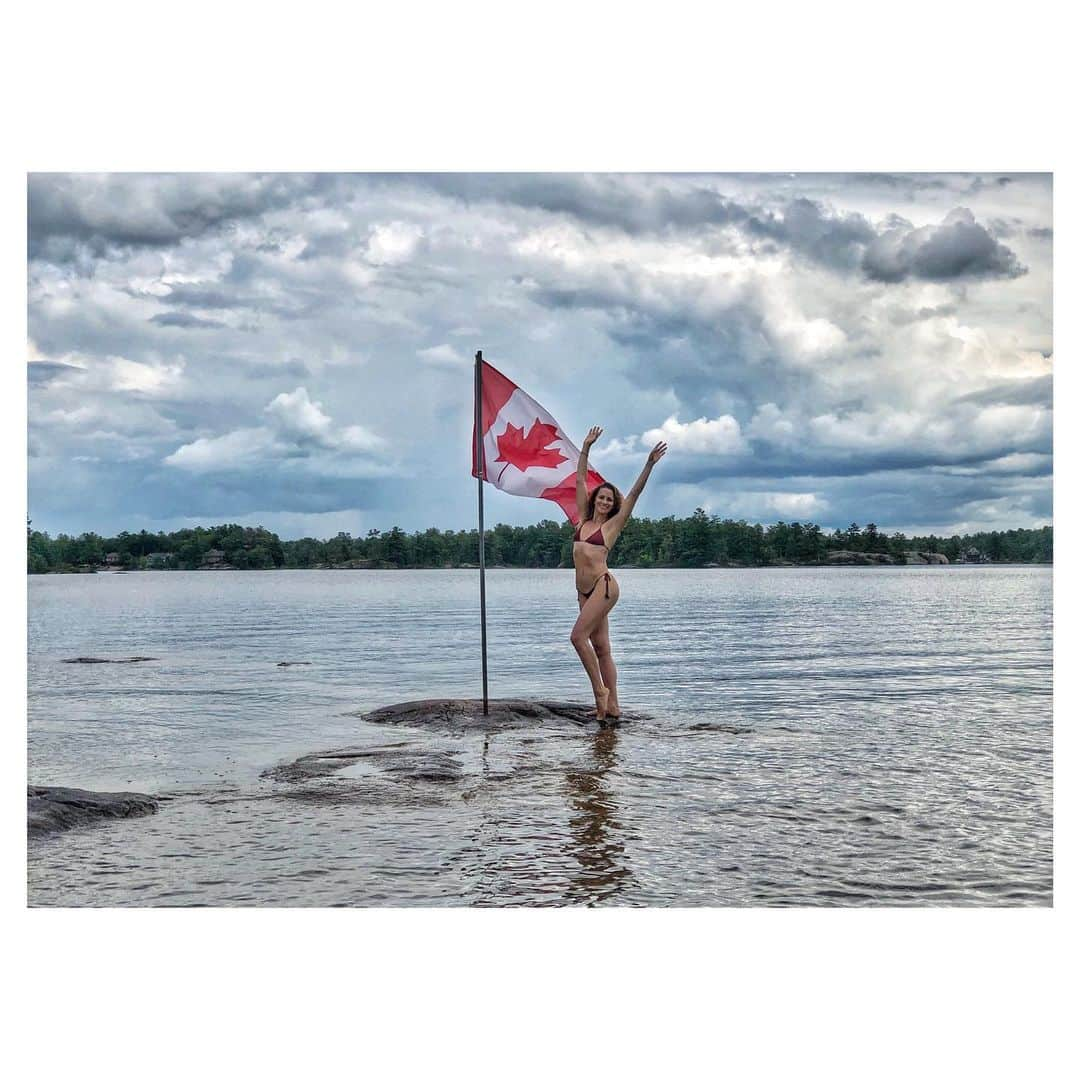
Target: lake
{"x": 815, "y": 736}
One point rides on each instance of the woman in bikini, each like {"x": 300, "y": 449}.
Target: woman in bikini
{"x": 601, "y": 518}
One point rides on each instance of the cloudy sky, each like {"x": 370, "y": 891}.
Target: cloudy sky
{"x": 295, "y": 350}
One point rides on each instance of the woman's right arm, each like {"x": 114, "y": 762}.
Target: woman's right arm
{"x": 583, "y": 472}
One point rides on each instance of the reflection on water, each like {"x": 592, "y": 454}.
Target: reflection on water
{"x": 594, "y": 827}
{"x": 825, "y": 737}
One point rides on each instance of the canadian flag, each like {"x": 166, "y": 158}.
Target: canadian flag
{"x": 525, "y": 451}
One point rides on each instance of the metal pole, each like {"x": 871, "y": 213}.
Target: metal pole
{"x": 480, "y": 502}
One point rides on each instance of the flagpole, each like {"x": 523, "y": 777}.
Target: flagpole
{"x": 480, "y": 468}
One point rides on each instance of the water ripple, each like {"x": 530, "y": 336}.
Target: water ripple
{"x": 819, "y": 737}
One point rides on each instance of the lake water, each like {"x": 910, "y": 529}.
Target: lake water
{"x": 854, "y": 736}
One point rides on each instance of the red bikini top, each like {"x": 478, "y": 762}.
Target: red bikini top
{"x": 596, "y": 538}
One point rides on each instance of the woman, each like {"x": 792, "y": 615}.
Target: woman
{"x": 601, "y": 518}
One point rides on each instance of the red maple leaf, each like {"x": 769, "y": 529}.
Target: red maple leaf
{"x": 525, "y": 451}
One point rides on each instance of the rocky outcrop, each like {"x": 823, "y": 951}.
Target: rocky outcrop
{"x": 858, "y": 558}
{"x": 881, "y": 558}
{"x": 49, "y": 809}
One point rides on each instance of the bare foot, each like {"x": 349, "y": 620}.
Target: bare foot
{"x": 613, "y": 709}
{"x": 601, "y": 696}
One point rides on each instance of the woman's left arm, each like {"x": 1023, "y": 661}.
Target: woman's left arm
{"x": 631, "y": 499}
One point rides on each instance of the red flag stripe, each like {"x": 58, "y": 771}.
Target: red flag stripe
{"x": 495, "y": 391}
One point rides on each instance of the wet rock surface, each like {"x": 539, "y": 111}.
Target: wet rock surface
{"x": 453, "y": 715}
{"x": 430, "y": 765}
{"x": 403, "y": 761}
{"x": 49, "y": 809}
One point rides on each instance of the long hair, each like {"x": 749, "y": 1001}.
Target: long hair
{"x": 592, "y": 500}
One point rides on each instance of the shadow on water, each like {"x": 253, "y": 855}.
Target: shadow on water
{"x": 595, "y": 828}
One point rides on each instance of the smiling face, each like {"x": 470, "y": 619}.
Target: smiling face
{"x": 605, "y": 502}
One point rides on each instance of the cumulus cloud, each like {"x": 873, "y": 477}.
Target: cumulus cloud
{"x": 297, "y": 428}
{"x": 720, "y": 436}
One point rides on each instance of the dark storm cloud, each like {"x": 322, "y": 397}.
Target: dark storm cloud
{"x": 837, "y": 240}
{"x": 958, "y": 248}
{"x": 126, "y": 491}
{"x": 596, "y": 200}
{"x": 888, "y": 499}
{"x": 132, "y": 210}
{"x": 277, "y": 490}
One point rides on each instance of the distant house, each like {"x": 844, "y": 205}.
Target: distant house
{"x": 972, "y": 555}
{"x": 214, "y": 560}
{"x": 157, "y": 559}
{"x": 113, "y": 558}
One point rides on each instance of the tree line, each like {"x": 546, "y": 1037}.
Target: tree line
{"x": 695, "y": 541}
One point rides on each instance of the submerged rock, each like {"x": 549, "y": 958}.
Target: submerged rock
{"x": 49, "y": 809}
{"x": 452, "y": 715}
{"x": 102, "y": 660}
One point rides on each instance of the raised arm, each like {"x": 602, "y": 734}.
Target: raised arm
{"x": 631, "y": 498}
{"x": 583, "y": 473}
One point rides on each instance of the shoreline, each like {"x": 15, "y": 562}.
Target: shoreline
{"x": 81, "y": 571}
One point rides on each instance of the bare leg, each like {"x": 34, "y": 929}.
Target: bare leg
{"x": 602, "y": 646}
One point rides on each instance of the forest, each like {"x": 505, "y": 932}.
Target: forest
{"x": 696, "y": 541}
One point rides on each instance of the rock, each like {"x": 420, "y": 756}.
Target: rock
{"x": 456, "y": 715}
{"x": 100, "y": 660}
{"x": 727, "y": 729}
{"x": 49, "y": 809}
{"x": 859, "y": 558}
{"x": 398, "y": 761}
{"x": 848, "y": 558}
